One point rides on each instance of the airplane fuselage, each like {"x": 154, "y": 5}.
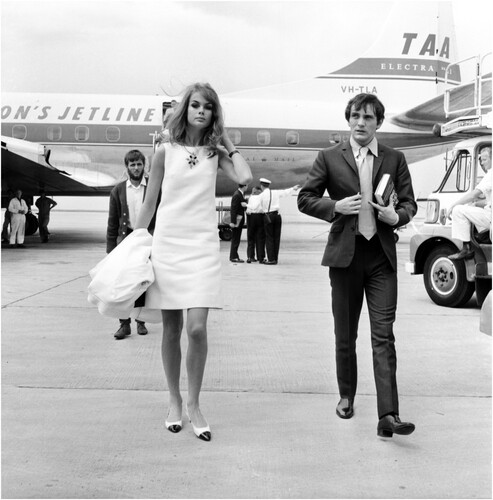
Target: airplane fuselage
{"x": 88, "y": 136}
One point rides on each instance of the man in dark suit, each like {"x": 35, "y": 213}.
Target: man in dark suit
{"x": 238, "y": 204}
{"x": 361, "y": 251}
{"x": 126, "y": 200}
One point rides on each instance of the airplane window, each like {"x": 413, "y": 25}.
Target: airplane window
{"x": 81, "y": 133}
{"x": 335, "y": 138}
{"x": 54, "y": 133}
{"x": 263, "y": 137}
{"x": 19, "y": 132}
{"x": 235, "y": 136}
{"x": 112, "y": 134}
{"x": 292, "y": 138}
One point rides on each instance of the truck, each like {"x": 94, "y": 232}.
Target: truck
{"x": 451, "y": 283}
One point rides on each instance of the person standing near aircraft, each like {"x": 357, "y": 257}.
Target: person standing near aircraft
{"x": 44, "y": 205}
{"x": 185, "y": 249}
{"x": 238, "y": 204}
{"x": 18, "y": 209}
{"x": 255, "y": 227}
{"x": 464, "y": 215}
{"x": 7, "y": 218}
{"x": 270, "y": 200}
{"x": 361, "y": 251}
{"x": 126, "y": 200}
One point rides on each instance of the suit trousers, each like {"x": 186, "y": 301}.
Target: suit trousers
{"x": 235, "y": 240}
{"x": 256, "y": 236}
{"x": 369, "y": 274}
{"x": 273, "y": 236}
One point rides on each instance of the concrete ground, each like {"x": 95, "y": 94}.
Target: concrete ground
{"x": 83, "y": 414}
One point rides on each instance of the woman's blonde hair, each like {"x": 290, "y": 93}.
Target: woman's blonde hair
{"x": 179, "y": 120}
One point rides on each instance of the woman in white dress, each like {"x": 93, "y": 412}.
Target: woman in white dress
{"x": 185, "y": 250}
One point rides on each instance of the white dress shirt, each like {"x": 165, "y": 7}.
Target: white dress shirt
{"x": 275, "y": 204}
{"x": 254, "y": 205}
{"x": 135, "y": 198}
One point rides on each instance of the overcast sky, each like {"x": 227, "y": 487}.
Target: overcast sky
{"x": 151, "y": 46}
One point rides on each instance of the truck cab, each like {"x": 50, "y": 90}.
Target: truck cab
{"x": 451, "y": 283}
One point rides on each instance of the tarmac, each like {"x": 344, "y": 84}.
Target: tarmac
{"x": 83, "y": 414}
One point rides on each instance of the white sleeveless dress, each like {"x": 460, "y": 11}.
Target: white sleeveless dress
{"x": 185, "y": 251}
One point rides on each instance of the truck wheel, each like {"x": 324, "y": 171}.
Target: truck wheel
{"x": 445, "y": 280}
{"x": 483, "y": 287}
{"x": 225, "y": 233}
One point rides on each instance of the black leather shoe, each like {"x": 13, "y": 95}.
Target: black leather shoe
{"x": 270, "y": 262}
{"x": 141, "y": 328}
{"x": 465, "y": 253}
{"x": 345, "y": 408}
{"x": 391, "y": 424}
{"x": 123, "y": 331}
{"x": 236, "y": 260}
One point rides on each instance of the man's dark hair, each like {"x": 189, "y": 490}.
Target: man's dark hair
{"x": 361, "y": 101}
{"x": 134, "y": 155}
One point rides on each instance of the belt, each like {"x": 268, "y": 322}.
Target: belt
{"x": 272, "y": 213}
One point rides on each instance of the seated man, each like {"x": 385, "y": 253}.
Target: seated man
{"x": 464, "y": 215}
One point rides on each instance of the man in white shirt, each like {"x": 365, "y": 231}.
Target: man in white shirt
{"x": 255, "y": 228}
{"x": 270, "y": 199}
{"x": 464, "y": 215}
{"x": 126, "y": 200}
{"x": 18, "y": 210}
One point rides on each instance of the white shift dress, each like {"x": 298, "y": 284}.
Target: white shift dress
{"x": 185, "y": 251}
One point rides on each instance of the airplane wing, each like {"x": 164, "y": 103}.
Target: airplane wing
{"x": 25, "y": 166}
{"x": 426, "y": 115}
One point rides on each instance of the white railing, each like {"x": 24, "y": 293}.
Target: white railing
{"x": 480, "y": 79}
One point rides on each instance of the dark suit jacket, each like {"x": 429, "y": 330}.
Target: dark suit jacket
{"x": 236, "y": 205}
{"x": 335, "y": 171}
{"x": 118, "y": 216}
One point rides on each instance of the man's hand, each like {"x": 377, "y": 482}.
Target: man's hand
{"x": 349, "y": 205}
{"x": 386, "y": 214}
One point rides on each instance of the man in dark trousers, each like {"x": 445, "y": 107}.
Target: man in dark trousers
{"x": 44, "y": 205}
{"x": 238, "y": 204}
{"x": 255, "y": 227}
{"x": 271, "y": 205}
{"x": 361, "y": 251}
{"x": 126, "y": 200}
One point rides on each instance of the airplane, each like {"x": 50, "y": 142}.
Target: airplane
{"x": 74, "y": 145}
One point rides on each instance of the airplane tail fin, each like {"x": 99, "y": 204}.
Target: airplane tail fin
{"x": 416, "y": 42}
{"x": 415, "y": 45}
{"x": 404, "y": 66}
